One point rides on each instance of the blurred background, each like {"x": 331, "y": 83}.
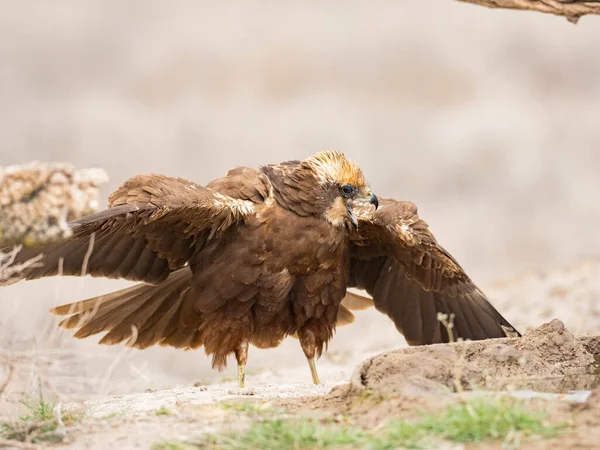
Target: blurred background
{"x": 488, "y": 119}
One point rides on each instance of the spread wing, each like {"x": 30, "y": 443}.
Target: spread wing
{"x": 152, "y": 227}
{"x": 411, "y": 278}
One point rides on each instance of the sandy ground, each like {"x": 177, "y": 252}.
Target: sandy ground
{"x": 81, "y": 370}
{"x": 547, "y": 359}
{"x": 398, "y": 384}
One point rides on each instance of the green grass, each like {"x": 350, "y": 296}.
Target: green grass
{"x": 38, "y": 424}
{"x": 112, "y": 415}
{"x": 172, "y": 445}
{"x": 279, "y": 434}
{"x": 39, "y": 411}
{"x": 246, "y": 407}
{"x": 369, "y": 396}
{"x": 499, "y": 419}
{"x": 163, "y": 411}
{"x": 488, "y": 419}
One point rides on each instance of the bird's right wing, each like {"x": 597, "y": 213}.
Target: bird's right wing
{"x": 152, "y": 227}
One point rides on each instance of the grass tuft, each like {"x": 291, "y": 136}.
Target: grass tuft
{"x": 279, "y": 434}
{"x": 370, "y": 397}
{"x": 39, "y": 424}
{"x": 249, "y": 407}
{"x": 172, "y": 445}
{"x": 493, "y": 419}
{"x": 39, "y": 411}
{"x": 163, "y": 411}
{"x": 501, "y": 418}
{"x": 112, "y": 415}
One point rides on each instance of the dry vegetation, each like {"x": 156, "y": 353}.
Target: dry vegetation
{"x": 8, "y": 270}
{"x": 37, "y": 200}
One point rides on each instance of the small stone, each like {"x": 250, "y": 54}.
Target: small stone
{"x": 241, "y": 391}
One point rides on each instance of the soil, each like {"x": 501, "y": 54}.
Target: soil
{"x": 552, "y": 366}
{"x": 403, "y": 382}
{"x": 546, "y": 358}
{"x": 397, "y": 384}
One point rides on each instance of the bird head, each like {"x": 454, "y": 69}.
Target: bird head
{"x": 344, "y": 187}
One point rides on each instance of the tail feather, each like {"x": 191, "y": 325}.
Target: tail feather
{"x": 153, "y": 331}
{"x": 97, "y": 313}
{"x": 351, "y": 302}
{"x": 182, "y": 328}
{"x": 143, "y": 308}
{"x": 344, "y": 316}
{"x": 95, "y": 310}
{"x": 357, "y": 302}
{"x": 153, "y": 314}
{"x": 86, "y": 305}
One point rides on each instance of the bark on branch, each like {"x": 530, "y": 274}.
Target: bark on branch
{"x": 571, "y": 9}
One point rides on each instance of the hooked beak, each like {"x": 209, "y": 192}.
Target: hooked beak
{"x": 374, "y": 201}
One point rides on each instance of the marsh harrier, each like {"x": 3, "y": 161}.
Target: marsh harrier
{"x": 259, "y": 255}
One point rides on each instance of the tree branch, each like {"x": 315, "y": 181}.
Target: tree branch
{"x": 571, "y": 9}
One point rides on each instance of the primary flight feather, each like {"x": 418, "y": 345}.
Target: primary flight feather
{"x": 258, "y": 255}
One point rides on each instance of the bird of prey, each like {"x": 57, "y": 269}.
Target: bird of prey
{"x": 258, "y": 255}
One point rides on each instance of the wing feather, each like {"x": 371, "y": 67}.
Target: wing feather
{"x": 411, "y": 278}
{"x": 152, "y": 227}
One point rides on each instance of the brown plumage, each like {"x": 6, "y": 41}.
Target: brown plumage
{"x": 259, "y": 255}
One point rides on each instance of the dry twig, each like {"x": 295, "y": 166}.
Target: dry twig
{"x": 571, "y": 9}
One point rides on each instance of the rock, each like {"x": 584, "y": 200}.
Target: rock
{"x": 540, "y": 360}
{"x": 37, "y": 200}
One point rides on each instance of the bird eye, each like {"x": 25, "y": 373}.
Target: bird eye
{"x": 347, "y": 190}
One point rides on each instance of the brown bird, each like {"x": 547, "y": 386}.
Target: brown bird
{"x": 259, "y": 255}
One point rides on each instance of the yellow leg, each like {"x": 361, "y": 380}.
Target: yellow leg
{"x": 313, "y": 370}
{"x": 241, "y": 376}
{"x": 241, "y": 355}
{"x": 309, "y": 345}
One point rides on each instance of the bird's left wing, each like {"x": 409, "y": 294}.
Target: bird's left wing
{"x": 153, "y": 226}
{"x": 412, "y": 279}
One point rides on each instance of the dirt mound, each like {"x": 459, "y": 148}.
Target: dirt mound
{"x": 406, "y": 382}
{"x": 548, "y": 358}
